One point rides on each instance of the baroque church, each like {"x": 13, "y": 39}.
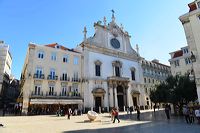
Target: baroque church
{"x": 112, "y": 69}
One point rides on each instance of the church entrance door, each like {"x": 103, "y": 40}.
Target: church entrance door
{"x": 120, "y": 98}
{"x": 97, "y": 103}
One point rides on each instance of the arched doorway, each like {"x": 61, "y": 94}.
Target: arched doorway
{"x": 98, "y": 94}
{"x": 120, "y": 97}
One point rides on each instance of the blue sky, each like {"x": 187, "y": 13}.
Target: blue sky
{"x": 152, "y": 24}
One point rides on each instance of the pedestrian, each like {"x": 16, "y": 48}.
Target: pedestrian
{"x": 186, "y": 113}
{"x": 138, "y": 112}
{"x": 69, "y": 113}
{"x": 127, "y": 110}
{"x": 154, "y": 108}
{"x": 112, "y": 113}
{"x": 191, "y": 115}
{"x": 197, "y": 114}
{"x": 116, "y": 116}
{"x": 167, "y": 110}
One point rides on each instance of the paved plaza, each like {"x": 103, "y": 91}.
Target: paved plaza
{"x": 150, "y": 123}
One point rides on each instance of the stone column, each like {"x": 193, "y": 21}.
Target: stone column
{"x": 110, "y": 96}
{"x": 115, "y": 96}
{"x": 127, "y": 96}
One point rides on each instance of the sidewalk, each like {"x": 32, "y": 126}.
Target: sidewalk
{"x": 54, "y": 124}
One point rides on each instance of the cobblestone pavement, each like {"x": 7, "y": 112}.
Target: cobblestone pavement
{"x": 150, "y": 123}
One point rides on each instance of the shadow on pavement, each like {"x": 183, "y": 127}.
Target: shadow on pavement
{"x": 157, "y": 124}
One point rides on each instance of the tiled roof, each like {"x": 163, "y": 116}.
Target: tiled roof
{"x": 178, "y": 54}
{"x": 53, "y": 45}
{"x": 192, "y": 6}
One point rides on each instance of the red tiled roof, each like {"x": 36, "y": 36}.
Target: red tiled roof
{"x": 192, "y": 6}
{"x": 61, "y": 47}
{"x": 178, "y": 54}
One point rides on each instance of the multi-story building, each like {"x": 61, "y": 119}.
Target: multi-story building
{"x": 191, "y": 24}
{"x": 51, "y": 79}
{"x": 5, "y": 70}
{"x": 112, "y": 69}
{"x": 154, "y": 73}
{"x": 180, "y": 62}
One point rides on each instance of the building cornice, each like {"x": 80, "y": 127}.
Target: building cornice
{"x": 111, "y": 52}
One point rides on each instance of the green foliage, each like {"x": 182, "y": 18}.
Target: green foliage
{"x": 176, "y": 90}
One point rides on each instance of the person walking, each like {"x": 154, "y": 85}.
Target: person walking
{"x": 116, "y": 116}
{"x": 154, "y": 108}
{"x": 167, "y": 111}
{"x": 69, "y": 113}
{"x": 138, "y": 112}
{"x": 186, "y": 113}
{"x": 112, "y": 114}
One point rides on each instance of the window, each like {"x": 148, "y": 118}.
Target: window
{"x": 198, "y": 3}
{"x": 187, "y": 61}
{"x": 75, "y": 89}
{"x": 97, "y": 70}
{"x": 133, "y": 75}
{"x": 64, "y": 77}
{"x": 38, "y": 72}
{"x": 51, "y": 90}
{"x": 75, "y": 77}
{"x": 64, "y": 91}
{"x": 76, "y": 59}
{"x": 65, "y": 58}
{"x": 53, "y": 56}
{"x": 37, "y": 90}
{"x": 52, "y": 73}
{"x": 149, "y": 80}
{"x": 185, "y": 51}
{"x": 176, "y": 63}
{"x": 41, "y": 54}
{"x": 117, "y": 71}
{"x": 145, "y": 80}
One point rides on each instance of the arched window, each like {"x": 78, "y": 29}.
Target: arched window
{"x": 117, "y": 65}
{"x": 41, "y": 54}
{"x": 132, "y": 73}
{"x": 97, "y": 68}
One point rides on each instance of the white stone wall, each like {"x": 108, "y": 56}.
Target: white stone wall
{"x": 191, "y": 24}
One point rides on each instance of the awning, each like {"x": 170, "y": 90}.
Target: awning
{"x": 56, "y": 101}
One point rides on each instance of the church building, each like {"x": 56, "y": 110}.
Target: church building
{"x": 112, "y": 69}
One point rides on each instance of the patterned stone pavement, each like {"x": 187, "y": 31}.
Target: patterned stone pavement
{"x": 150, "y": 123}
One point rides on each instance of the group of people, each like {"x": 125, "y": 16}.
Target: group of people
{"x": 69, "y": 112}
{"x": 115, "y": 113}
{"x": 190, "y": 113}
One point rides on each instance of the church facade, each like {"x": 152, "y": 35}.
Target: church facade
{"x": 112, "y": 69}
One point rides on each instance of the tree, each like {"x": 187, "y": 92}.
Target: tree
{"x": 178, "y": 90}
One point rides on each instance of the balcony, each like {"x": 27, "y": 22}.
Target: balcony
{"x": 51, "y": 94}
{"x": 38, "y": 76}
{"x": 70, "y": 95}
{"x": 51, "y": 77}
{"x": 64, "y": 79}
{"x": 37, "y": 94}
{"x": 76, "y": 80}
